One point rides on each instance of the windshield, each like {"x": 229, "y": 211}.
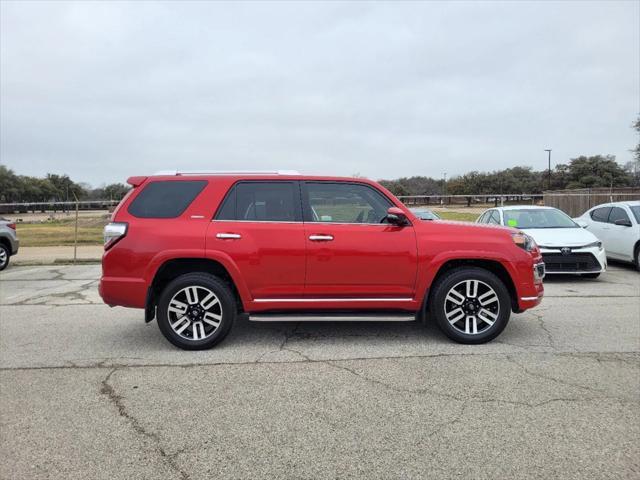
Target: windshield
{"x": 425, "y": 215}
{"x": 538, "y": 218}
{"x": 636, "y": 212}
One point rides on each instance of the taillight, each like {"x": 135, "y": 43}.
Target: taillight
{"x": 11, "y": 225}
{"x": 113, "y": 232}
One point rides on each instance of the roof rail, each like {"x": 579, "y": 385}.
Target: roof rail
{"x": 227, "y": 172}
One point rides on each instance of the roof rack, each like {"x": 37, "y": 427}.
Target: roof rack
{"x": 227, "y": 172}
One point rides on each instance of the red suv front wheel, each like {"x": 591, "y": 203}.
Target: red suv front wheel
{"x": 470, "y": 305}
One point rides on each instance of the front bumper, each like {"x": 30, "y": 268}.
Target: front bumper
{"x": 574, "y": 261}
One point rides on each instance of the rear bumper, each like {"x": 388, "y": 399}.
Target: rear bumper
{"x": 123, "y": 291}
{"x": 15, "y": 245}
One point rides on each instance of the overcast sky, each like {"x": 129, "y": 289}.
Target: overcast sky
{"x": 102, "y": 91}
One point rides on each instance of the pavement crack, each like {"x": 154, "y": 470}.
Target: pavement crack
{"x": 118, "y": 401}
{"x": 480, "y": 400}
{"x": 540, "y": 317}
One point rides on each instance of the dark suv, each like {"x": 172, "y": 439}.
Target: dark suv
{"x": 194, "y": 250}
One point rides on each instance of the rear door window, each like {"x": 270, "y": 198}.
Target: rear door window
{"x": 165, "y": 199}
{"x": 600, "y": 214}
{"x": 262, "y": 202}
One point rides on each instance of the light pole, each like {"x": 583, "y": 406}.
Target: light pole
{"x": 444, "y": 185}
{"x": 548, "y": 150}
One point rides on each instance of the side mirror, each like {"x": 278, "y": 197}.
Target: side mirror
{"x": 582, "y": 223}
{"x": 396, "y": 216}
{"x": 623, "y": 222}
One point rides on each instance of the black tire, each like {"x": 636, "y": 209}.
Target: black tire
{"x": 590, "y": 275}
{"x": 638, "y": 258}
{"x": 452, "y": 278}
{"x": 5, "y": 254}
{"x": 227, "y": 307}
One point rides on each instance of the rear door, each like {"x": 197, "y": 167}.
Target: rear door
{"x": 599, "y": 225}
{"x": 259, "y": 225}
{"x": 352, "y": 252}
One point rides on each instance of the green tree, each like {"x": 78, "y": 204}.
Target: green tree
{"x": 596, "y": 171}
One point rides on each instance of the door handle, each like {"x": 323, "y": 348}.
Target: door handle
{"x": 228, "y": 236}
{"x": 320, "y": 238}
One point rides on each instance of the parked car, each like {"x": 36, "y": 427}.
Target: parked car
{"x": 197, "y": 249}
{"x": 424, "y": 213}
{"x": 566, "y": 247}
{"x": 9, "y": 242}
{"x": 617, "y": 226}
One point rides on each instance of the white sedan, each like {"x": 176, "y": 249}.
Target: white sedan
{"x": 617, "y": 225}
{"x": 565, "y": 246}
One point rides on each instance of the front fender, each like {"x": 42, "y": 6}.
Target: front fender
{"x": 428, "y": 268}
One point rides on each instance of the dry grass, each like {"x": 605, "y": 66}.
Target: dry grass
{"x": 459, "y": 216}
{"x": 57, "y": 233}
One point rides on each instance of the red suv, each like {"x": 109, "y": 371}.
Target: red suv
{"x": 195, "y": 250}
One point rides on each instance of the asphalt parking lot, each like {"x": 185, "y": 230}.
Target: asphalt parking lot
{"x": 92, "y": 392}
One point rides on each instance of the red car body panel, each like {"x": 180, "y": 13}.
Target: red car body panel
{"x": 276, "y": 267}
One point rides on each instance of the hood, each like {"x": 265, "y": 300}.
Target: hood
{"x": 561, "y": 237}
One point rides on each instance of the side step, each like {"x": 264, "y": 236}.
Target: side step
{"x": 333, "y": 317}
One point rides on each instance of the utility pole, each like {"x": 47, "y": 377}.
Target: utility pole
{"x": 548, "y": 150}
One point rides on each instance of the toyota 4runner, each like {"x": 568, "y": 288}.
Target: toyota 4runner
{"x": 195, "y": 250}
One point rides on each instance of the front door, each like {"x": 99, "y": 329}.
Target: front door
{"x": 352, "y": 251}
{"x": 259, "y": 226}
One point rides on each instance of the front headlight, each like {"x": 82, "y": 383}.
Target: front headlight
{"x": 524, "y": 241}
{"x": 594, "y": 244}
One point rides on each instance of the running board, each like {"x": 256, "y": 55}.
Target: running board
{"x": 329, "y": 317}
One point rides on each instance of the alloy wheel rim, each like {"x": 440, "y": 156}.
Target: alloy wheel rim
{"x": 194, "y": 313}
{"x": 3, "y": 257}
{"x": 472, "y": 307}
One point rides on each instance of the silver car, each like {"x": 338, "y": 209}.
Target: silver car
{"x": 9, "y": 242}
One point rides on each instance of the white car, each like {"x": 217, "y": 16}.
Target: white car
{"x": 617, "y": 225}
{"x": 565, "y": 246}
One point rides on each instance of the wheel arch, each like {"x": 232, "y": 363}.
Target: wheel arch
{"x": 5, "y": 242}
{"x": 174, "y": 267}
{"x": 493, "y": 266}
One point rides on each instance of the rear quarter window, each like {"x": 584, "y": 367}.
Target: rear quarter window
{"x": 167, "y": 199}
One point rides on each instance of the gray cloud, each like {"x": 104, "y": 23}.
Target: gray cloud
{"x": 103, "y": 90}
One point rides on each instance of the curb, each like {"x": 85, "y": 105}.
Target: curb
{"x": 56, "y": 261}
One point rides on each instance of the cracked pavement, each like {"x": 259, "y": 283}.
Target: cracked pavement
{"x": 92, "y": 392}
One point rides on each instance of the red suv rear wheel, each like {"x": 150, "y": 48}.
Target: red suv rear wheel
{"x": 196, "y": 311}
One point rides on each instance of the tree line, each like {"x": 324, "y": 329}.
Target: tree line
{"x": 53, "y": 188}
{"x": 581, "y": 172}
